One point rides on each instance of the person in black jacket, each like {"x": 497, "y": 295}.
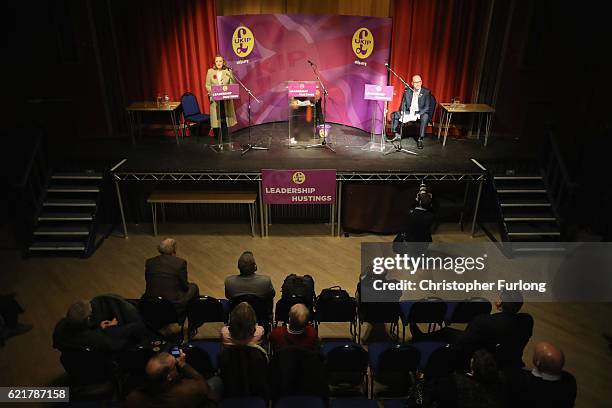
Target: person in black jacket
{"x": 546, "y": 385}
{"x": 416, "y": 232}
{"x": 166, "y": 277}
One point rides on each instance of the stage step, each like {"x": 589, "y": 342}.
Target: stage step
{"x": 521, "y": 189}
{"x": 65, "y": 217}
{"x": 534, "y": 202}
{"x": 515, "y": 214}
{"x": 62, "y": 231}
{"x": 516, "y": 229}
{"x": 77, "y": 176}
{"x": 73, "y": 189}
{"x": 66, "y": 222}
{"x": 509, "y": 178}
{"x": 58, "y": 202}
{"x": 57, "y": 246}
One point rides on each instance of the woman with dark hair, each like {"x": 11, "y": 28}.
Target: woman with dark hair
{"x": 242, "y": 328}
{"x": 222, "y": 113}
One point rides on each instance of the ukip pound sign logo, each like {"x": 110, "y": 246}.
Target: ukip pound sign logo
{"x": 243, "y": 41}
{"x": 298, "y": 177}
{"x": 363, "y": 43}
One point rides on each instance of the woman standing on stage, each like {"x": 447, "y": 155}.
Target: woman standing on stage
{"x": 224, "y": 115}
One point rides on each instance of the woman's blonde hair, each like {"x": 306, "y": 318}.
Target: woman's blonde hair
{"x": 219, "y": 56}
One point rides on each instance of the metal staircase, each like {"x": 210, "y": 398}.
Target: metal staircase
{"x": 526, "y": 211}
{"x": 67, "y": 219}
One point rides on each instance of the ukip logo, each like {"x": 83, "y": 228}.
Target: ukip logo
{"x": 363, "y": 43}
{"x": 243, "y": 41}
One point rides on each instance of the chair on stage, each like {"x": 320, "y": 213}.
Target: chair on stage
{"x": 192, "y": 114}
{"x": 395, "y": 117}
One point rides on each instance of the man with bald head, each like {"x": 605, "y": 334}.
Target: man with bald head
{"x": 546, "y": 384}
{"x": 416, "y": 105}
{"x": 298, "y": 332}
{"x": 166, "y": 277}
{"x": 172, "y": 382}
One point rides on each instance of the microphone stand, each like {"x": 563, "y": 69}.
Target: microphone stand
{"x": 249, "y": 146}
{"x": 398, "y": 147}
{"x": 324, "y": 143}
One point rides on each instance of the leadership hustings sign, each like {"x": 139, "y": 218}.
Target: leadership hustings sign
{"x": 298, "y": 186}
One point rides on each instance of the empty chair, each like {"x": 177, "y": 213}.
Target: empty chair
{"x": 90, "y": 373}
{"x": 244, "y": 371}
{"x": 439, "y": 362}
{"x": 300, "y": 402}
{"x": 357, "y": 402}
{"x": 243, "y": 402}
{"x": 157, "y": 312}
{"x": 205, "y": 309}
{"x": 346, "y": 367}
{"x": 379, "y": 312}
{"x": 296, "y": 371}
{"x": 192, "y": 113}
{"x": 394, "y": 366}
{"x": 334, "y": 305}
{"x": 464, "y": 311}
{"x": 430, "y": 310}
{"x": 211, "y": 348}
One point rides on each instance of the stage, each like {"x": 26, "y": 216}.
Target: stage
{"x": 159, "y": 162}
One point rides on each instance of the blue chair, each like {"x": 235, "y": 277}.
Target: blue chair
{"x": 192, "y": 113}
{"x": 281, "y": 310}
{"x": 243, "y": 402}
{"x": 464, "y": 311}
{"x": 212, "y": 348}
{"x": 393, "y": 365}
{"x": 300, "y": 402}
{"x": 347, "y": 368}
{"x": 352, "y": 403}
{"x": 430, "y": 310}
{"x": 205, "y": 309}
{"x": 427, "y": 349}
{"x": 398, "y": 403}
{"x": 379, "y": 312}
{"x": 336, "y": 310}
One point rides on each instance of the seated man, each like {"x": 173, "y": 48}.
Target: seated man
{"x": 166, "y": 277}
{"x": 172, "y": 382}
{"x": 507, "y": 330}
{"x": 297, "y": 333}
{"x": 248, "y": 282}
{"x": 107, "y": 323}
{"x": 415, "y": 106}
{"x": 546, "y": 385}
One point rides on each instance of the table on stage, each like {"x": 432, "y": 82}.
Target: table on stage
{"x": 483, "y": 110}
{"x": 136, "y": 109}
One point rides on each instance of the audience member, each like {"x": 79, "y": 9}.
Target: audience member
{"x": 480, "y": 387}
{"x": 508, "y": 331}
{"x": 248, "y": 282}
{"x": 298, "y": 332}
{"x": 107, "y": 323}
{"x": 242, "y": 328}
{"x": 172, "y": 382}
{"x": 9, "y": 318}
{"x": 166, "y": 277}
{"x": 546, "y": 385}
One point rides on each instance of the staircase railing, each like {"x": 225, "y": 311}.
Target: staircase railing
{"x": 29, "y": 194}
{"x": 561, "y": 188}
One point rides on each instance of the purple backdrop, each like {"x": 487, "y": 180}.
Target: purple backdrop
{"x": 268, "y": 50}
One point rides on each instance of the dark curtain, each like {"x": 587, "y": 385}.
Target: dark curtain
{"x": 441, "y": 41}
{"x": 166, "y": 47}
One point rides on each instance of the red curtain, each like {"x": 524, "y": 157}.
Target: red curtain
{"x": 167, "y": 47}
{"x": 441, "y": 41}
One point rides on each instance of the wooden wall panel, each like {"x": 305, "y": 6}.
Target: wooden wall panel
{"x": 373, "y": 8}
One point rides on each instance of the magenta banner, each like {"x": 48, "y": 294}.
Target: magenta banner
{"x": 297, "y": 89}
{"x": 268, "y": 50}
{"x": 378, "y": 93}
{"x": 298, "y": 186}
{"x": 223, "y": 92}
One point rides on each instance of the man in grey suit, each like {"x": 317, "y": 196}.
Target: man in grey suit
{"x": 248, "y": 282}
{"x": 166, "y": 276}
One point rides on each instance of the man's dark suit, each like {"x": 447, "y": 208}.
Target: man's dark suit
{"x": 524, "y": 389}
{"x": 424, "y": 110}
{"x": 166, "y": 276}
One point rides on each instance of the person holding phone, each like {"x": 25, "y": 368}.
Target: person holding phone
{"x": 170, "y": 381}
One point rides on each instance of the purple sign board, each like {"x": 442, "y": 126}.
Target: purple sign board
{"x": 298, "y": 186}
{"x": 378, "y": 92}
{"x": 223, "y": 92}
{"x": 298, "y": 89}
